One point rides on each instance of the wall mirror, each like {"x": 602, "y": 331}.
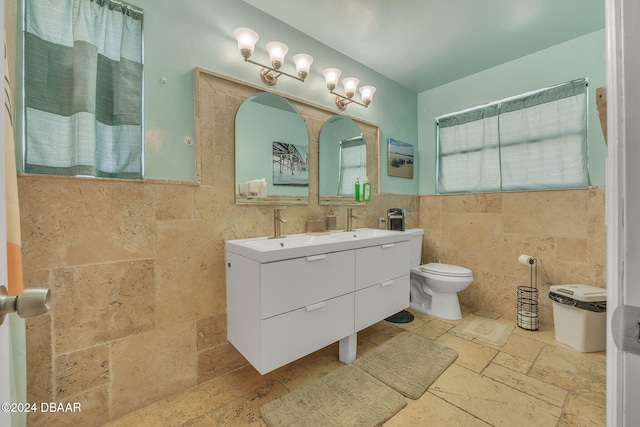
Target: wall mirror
{"x": 272, "y": 152}
{"x": 342, "y": 160}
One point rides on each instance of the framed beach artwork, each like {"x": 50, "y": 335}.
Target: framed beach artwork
{"x": 290, "y": 164}
{"x": 400, "y": 159}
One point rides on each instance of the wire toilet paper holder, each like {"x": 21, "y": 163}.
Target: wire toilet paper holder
{"x": 527, "y": 297}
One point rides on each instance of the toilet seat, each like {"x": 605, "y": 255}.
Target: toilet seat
{"x": 447, "y": 270}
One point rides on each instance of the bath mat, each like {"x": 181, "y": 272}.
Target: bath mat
{"x": 408, "y": 363}
{"x": 347, "y": 396}
{"x": 491, "y": 331}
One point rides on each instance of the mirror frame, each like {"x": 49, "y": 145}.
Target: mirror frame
{"x": 217, "y": 100}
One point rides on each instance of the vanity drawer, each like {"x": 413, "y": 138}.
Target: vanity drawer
{"x": 380, "y": 301}
{"x": 292, "y": 335}
{"x": 378, "y": 264}
{"x": 294, "y": 283}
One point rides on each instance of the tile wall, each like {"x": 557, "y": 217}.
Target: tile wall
{"x": 137, "y": 270}
{"x": 563, "y": 229}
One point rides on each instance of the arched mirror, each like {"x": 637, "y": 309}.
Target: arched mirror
{"x": 342, "y": 158}
{"x": 272, "y": 152}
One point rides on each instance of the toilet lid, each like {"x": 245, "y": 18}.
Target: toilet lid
{"x": 445, "y": 269}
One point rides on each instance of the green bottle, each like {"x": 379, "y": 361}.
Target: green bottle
{"x": 357, "y": 190}
{"x": 366, "y": 190}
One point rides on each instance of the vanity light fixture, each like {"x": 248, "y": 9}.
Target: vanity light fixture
{"x": 350, "y": 84}
{"x": 247, "y": 39}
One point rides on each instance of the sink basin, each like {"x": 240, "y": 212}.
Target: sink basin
{"x": 294, "y": 241}
{"x": 363, "y": 233}
{"x": 263, "y": 249}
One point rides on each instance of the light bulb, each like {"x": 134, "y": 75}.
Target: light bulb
{"x": 366, "y": 93}
{"x": 277, "y": 52}
{"x": 247, "y": 39}
{"x": 303, "y": 64}
{"x": 331, "y": 76}
{"x": 350, "y": 85}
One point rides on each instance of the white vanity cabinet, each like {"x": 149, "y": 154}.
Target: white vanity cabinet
{"x": 280, "y": 311}
{"x": 382, "y": 282}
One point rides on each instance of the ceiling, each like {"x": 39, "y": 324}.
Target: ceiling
{"x": 422, "y": 44}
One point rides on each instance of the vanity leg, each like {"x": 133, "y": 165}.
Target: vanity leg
{"x": 348, "y": 348}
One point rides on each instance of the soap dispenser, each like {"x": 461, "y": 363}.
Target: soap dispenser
{"x": 366, "y": 190}
{"x": 330, "y": 222}
{"x": 357, "y": 190}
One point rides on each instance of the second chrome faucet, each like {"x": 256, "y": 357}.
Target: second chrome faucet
{"x": 277, "y": 223}
{"x": 350, "y": 217}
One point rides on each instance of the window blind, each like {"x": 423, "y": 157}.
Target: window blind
{"x": 536, "y": 140}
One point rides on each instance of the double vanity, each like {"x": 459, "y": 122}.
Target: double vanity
{"x": 291, "y": 296}
{"x": 288, "y": 297}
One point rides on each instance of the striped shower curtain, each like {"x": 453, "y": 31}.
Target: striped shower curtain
{"x": 18, "y": 357}
{"x": 83, "y": 82}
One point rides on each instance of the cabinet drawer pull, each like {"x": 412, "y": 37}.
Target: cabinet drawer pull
{"x": 387, "y": 246}
{"x": 387, "y": 283}
{"x": 316, "y": 257}
{"x": 315, "y": 306}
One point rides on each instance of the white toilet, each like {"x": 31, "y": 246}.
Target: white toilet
{"x": 435, "y": 286}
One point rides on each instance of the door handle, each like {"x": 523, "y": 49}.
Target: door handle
{"x": 31, "y": 302}
{"x": 625, "y": 328}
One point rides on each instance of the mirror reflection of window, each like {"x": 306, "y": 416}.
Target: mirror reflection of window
{"x": 353, "y": 164}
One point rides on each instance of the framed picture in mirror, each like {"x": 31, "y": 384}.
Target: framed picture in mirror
{"x": 290, "y": 164}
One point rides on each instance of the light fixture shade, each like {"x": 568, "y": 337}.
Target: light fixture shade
{"x": 277, "y": 52}
{"x": 350, "y": 85}
{"x": 331, "y": 76}
{"x": 247, "y": 39}
{"x": 366, "y": 93}
{"x": 303, "y": 64}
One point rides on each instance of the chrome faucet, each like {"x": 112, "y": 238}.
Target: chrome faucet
{"x": 277, "y": 222}
{"x": 350, "y": 216}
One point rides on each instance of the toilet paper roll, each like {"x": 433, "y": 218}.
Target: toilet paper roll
{"x": 526, "y": 260}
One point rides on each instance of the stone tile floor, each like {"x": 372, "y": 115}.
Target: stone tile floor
{"x": 533, "y": 380}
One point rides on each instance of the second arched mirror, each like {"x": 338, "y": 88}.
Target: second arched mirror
{"x": 342, "y": 158}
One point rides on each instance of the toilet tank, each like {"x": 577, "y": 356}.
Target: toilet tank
{"x": 416, "y": 245}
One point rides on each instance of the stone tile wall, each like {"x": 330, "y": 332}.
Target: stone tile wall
{"x": 563, "y": 229}
{"x": 137, "y": 270}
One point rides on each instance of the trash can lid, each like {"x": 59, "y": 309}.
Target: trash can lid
{"x": 580, "y": 292}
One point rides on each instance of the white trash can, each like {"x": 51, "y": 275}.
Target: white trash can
{"x": 579, "y": 316}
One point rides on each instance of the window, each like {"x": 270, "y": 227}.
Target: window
{"x": 83, "y": 88}
{"x": 533, "y": 141}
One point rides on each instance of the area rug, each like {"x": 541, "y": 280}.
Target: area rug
{"x": 408, "y": 363}
{"x": 347, "y": 396}
{"x": 491, "y": 331}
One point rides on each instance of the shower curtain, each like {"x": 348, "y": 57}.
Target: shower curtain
{"x": 18, "y": 356}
